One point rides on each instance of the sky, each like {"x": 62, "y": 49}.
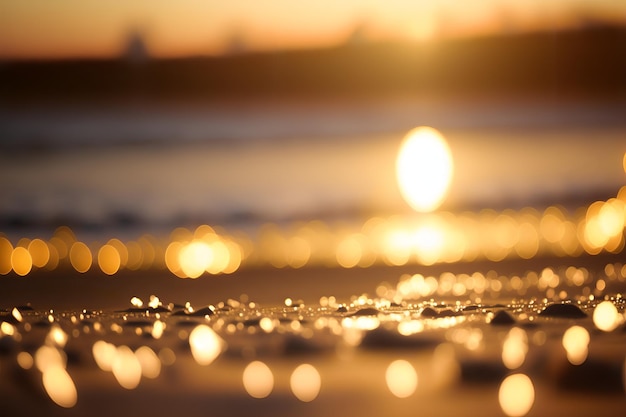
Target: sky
{"x": 43, "y": 29}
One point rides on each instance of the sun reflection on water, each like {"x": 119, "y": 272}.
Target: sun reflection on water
{"x": 424, "y": 168}
{"x": 425, "y": 239}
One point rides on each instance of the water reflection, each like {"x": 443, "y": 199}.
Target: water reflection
{"x": 516, "y": 395}
{"x": 424, "y": 168}
{"x": 439, "y": 237}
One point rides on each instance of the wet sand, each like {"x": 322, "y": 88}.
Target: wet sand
{"x": 453, "y": 376}
{"x": 67, "y": 289}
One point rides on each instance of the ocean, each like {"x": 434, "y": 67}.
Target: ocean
{"x": 117, "y": 168}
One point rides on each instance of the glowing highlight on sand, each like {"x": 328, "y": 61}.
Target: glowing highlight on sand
{"x": 515, "y": 348}
{"x": 60, "y": 387}
{"x": 401, "y": 378}
{"x": 149, "y": 361}
{"x": 205, "y": 344}
{"x": 516, "y": 395}
{"x": 21, "y": 261}
{"x": 606, "y": 317}
{"x": 80, "y": 257}
{"x": 104, "y": 354}
{"x": 305, "y": 382}
{"x": 109, "y": 259}
{"x": 576, "y": 342}
{"x": 258, "y": 379}
{"x": 424, "y": 168}
{"x": 126, "y": 367}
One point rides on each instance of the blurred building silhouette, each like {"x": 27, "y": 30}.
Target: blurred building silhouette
{"x": 136, "y": 50}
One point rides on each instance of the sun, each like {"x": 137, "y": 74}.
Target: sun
{"x": 424, "y": 169}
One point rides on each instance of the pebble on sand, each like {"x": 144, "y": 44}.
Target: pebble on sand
{"x": 565, "y": 311}
{"x": 368, "y": 311}
{"x": 502, "y": 318}
{"x": 429, "y": 312}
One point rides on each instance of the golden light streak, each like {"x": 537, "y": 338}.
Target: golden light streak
{"x": 424, "y": 168}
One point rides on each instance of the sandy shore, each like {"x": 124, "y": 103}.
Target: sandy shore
{"x": 68, "y": 289}
{"x": 456, "y": 356}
